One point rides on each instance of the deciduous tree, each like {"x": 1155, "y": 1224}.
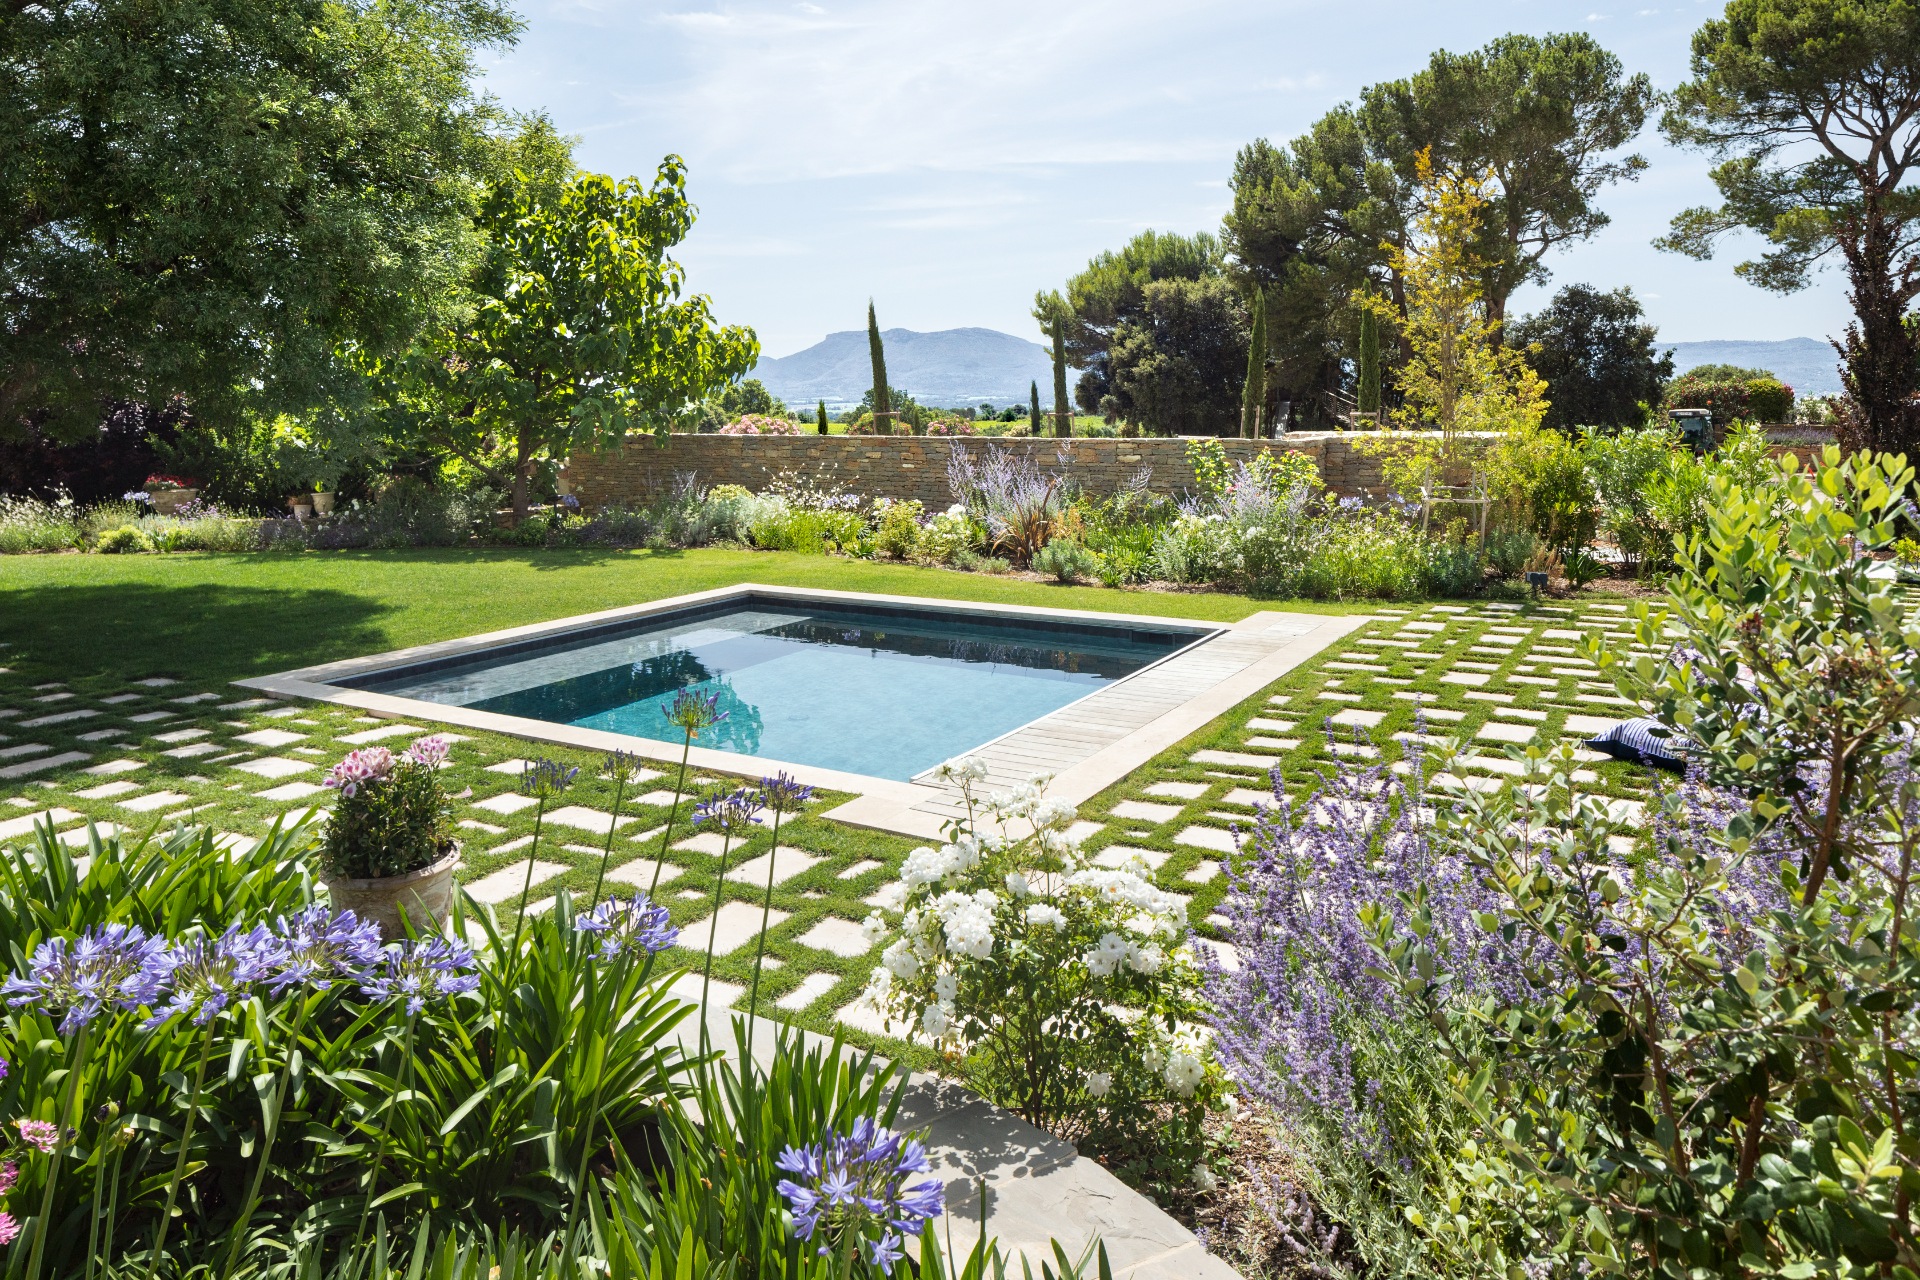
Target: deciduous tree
{"x": 223, "y": 201}
{"x": 575, "y": 330}
{"x": 1813, "y": 109}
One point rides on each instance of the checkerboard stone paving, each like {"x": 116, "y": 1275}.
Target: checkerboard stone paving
{"x": 148, "y": 753}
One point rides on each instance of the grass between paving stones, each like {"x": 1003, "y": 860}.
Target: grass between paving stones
{"x": 186, "y": 739}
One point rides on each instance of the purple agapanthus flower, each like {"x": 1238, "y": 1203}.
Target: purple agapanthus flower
{"x": 208, "y": 976}
{"x": 691, "y": 712}
{"x": 857, "y": 1183}
{"x": 422, "y": 970}
{"x": 367, "y": 765}
{"x": 78, "y": 978}
{"x": 782, "y": 794}
{"x": 731, "y": 811}
{"x": 633, "y": 926}
{"x": 545, "y": 779}
{"x": 318, "y": 946}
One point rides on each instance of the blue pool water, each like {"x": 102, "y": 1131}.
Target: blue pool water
{"x": 886, "y": 693}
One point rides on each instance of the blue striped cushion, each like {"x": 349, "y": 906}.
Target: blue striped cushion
{"x": 1642, "y": 741}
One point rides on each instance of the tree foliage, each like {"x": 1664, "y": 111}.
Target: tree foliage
{"x": 212, "y": 201}
{"x": 1813, "y": 109}
{"x": 1597, "y": 354}
{"x": 1458, "y": 377}
{"x": 1541, "y": 117}
{"x": 575, "y": 331}
{"x": 1178, "y": 366}
{"x": 1113, "y": 291}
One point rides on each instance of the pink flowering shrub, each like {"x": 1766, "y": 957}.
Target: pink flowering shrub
{"x": 759, "y": 424}
{"x": 393, "y": 816}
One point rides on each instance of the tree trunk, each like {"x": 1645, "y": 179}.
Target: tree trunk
{"x": 1879, "y": 354}
{"x": 522, "y": 476}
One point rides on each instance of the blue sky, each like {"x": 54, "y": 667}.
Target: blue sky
{"x": 949, "y": 157}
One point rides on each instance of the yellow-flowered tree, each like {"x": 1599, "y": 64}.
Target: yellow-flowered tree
{"x": 1459, "y": 378}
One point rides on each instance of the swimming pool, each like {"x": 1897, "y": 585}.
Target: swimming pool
{"x": 886, "y": 691}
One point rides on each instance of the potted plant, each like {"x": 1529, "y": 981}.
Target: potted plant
{"x": 323, "y": 497}
{"x": 390, "y": 844}
{"x": 167, "y": 494}
{"x": 301, "y": 504}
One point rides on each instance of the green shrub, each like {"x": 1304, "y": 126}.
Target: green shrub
{"x": 126, "y": 540}
{"x": 1623, "y": 467}
{"x": 1066, "y": 560}
{"x": 28, "y": 524}
{"x": 1508, "y": 550}
{"x": 392, "y": 816}
{"x": 1906, "y": 553}
{"x": 897, "y": 531}
{"x": 778, "y": 526}
{"x": 1769, "y": 400}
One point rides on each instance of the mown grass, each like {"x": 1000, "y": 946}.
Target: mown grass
{"x": 215, "y": 617}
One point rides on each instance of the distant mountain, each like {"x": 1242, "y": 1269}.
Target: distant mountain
{"x": 951, "y": 368}
{"x": 1810, "y": 367}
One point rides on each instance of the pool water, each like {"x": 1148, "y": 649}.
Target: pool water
{"x": 885, "y": 693}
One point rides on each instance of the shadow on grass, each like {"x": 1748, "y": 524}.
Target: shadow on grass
{"x": 202, "y": 631}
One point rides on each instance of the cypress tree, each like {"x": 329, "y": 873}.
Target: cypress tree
{"x": 1033, "y": 409}
{"x": 1062, "y": 411}
{"x": 882, "y": 402}
{"x": 1254, "y": 397}
{"x": 1368, "y": 392}
{"x": 823, "y": 417}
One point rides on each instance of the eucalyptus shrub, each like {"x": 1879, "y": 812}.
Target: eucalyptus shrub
{"x": 1705, "y": 1063}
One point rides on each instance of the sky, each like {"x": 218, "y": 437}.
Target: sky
{"x": 948, "y": 158}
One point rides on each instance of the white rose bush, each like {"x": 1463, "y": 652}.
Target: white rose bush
{"x": 1070, "y": 989}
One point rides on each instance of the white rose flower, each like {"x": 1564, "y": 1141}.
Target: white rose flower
{"x": 1184, "y": 1072}
{"x": 1098, "y": 1082}
{"x": 1147, "y": 959}
{"x": 879, "y": 982}
{"x": 946, "y": 987}
{"x": 1046, "y": 913}
{"x": 1204, "y": 1179}
{"x": 899, "y": 958}
{"x": 1017, "y": 885}
{"x": 1108, "y": 956}
{"x": 1154, "y": 1058}
{"x": 1230, "y": 1104}
{"x": 935, "y": 1020}
{"x": 874, "y": 928}
{"x": 1053, "y": 814}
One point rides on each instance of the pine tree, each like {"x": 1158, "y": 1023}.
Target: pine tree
{"x": 1062, "y": 411}
{"x": 1254, "y": 398}
{"x": 823, "y": 418}
{"x": 1033, "y": 411}
{"x": 882, "y": 402}
{"x": 1368, "y": 391}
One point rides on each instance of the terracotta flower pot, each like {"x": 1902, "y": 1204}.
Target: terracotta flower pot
{"x": 427, "y": 895}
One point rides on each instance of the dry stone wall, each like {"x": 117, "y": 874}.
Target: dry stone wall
{"x": 916, "y": 466}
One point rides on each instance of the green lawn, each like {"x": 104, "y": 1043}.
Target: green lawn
{"x": 208, "y": 617}
{"x": 115, "y": 708}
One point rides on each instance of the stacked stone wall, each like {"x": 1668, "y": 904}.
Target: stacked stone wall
{"x": 916, "y": 466}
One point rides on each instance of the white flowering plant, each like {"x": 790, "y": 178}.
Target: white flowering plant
{"x": 1068, "y": 989}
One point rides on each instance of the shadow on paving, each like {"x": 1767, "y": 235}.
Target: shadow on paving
{"x": 203, "y": 631}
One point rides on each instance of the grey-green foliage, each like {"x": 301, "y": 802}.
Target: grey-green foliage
{"x": 1723, "y": 1031}
{"x": 1065, "y": 559}
{"x": 1624, "y": 468}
